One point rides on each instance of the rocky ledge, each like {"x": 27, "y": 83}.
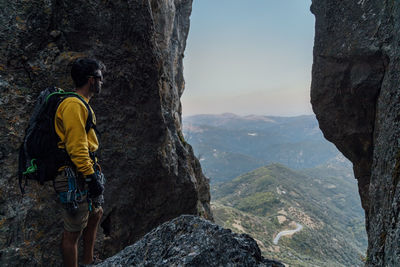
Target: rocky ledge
{"x": 191, "y": 241}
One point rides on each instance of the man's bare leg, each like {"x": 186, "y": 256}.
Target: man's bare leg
{"x": 89, "y": 236}
{"x": 69, "y": 246}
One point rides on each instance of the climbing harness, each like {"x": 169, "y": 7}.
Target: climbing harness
{"x": 74, "y": 195}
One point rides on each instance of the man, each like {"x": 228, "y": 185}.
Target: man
{"x": 70, "y": 124}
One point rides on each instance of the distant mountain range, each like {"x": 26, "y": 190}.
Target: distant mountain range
{"x": 229, "y": 145}
{"x": 274, "y": 198}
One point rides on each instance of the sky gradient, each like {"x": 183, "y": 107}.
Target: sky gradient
{"x": 249, "y": 57}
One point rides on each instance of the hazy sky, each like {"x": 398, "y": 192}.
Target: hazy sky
{"x": 249, "y": 57}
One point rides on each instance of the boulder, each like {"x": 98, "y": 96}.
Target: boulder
{"x": 191, "y": 241}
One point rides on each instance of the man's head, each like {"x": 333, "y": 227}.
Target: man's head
{"x": 88, "y": 72}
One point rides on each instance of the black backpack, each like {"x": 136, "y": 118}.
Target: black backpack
{"x": 39, "y": 155}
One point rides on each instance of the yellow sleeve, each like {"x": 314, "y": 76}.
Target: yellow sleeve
{"x": 70, "y": 123}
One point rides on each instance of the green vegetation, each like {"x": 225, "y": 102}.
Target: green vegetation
{"x": 260, "y": 200}
{"x": 270, "y": 199}
{"x": 259, "y": 203}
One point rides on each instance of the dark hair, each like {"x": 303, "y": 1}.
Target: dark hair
{"x": 82, "y": 68}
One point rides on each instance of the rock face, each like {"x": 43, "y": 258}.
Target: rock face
{"x": 191, "y": 241}
{"x": 355, "y": 95}
{"x": 151, "y": 171}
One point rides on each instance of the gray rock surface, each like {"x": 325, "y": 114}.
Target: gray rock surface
{"x": 355, "y": 95}
{"x": 151, "y": 171}
{"x": 191, "y": 241}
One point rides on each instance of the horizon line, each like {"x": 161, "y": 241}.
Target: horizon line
{"x": 247, "y": 115}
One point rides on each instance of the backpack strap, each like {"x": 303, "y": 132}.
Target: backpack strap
{"x": 89, "y": 122}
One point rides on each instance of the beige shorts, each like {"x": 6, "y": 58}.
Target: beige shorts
{"x": 78, "y": 221}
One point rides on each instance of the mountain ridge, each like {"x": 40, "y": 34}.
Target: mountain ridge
{"x": 269, "y": 199}
{"x": 229, "y": 145}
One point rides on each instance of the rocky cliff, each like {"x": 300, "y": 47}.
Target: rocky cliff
{"x": 151, "y": 171}
{"x": 355, "y": 95}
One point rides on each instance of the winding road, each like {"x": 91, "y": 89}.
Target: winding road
{"x": 287, "y": 232}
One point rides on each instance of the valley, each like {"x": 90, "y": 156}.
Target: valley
{"x": 253, "y": 194}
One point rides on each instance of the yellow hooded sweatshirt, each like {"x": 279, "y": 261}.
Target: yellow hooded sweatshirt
{"x": 70, "y": 122}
